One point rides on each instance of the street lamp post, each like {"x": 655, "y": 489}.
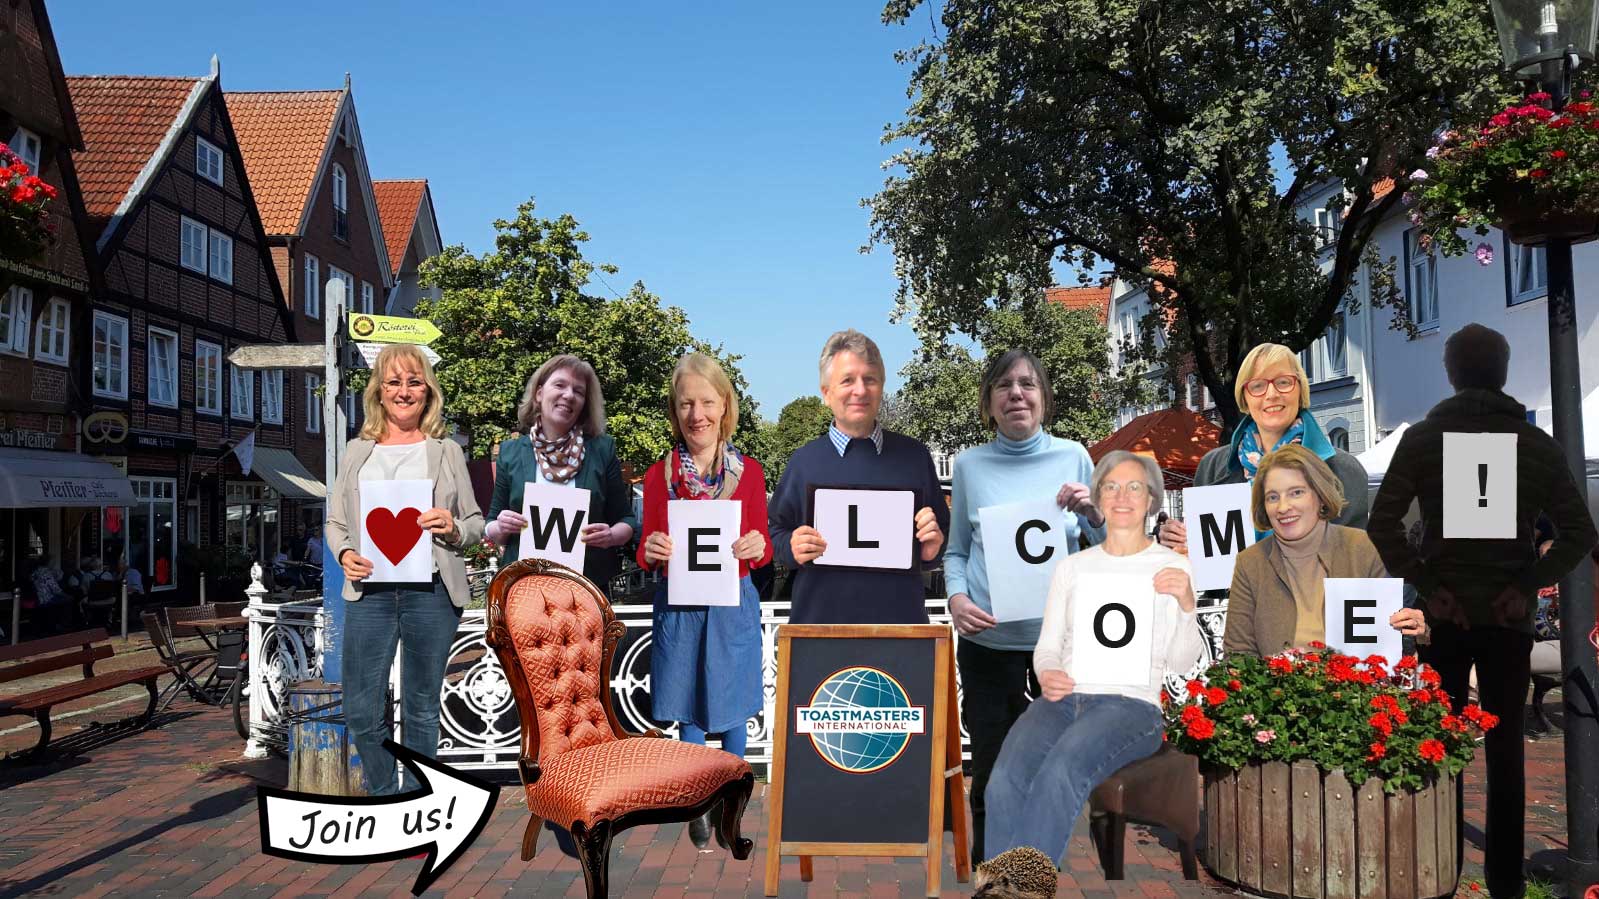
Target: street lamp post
{"x": 1547, "y": 41}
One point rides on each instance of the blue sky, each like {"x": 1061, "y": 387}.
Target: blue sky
{"x": 716, "y": 151}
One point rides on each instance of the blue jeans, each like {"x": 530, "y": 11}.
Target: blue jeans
{"x": 1053, "y": 757}
{"x": 421, "y": 618}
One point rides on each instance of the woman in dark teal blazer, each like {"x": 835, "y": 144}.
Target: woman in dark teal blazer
{"x": 563, "y": 441}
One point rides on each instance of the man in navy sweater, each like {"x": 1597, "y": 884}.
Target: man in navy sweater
{"x": 855, "y": 452}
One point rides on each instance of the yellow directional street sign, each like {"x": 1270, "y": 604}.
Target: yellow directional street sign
{"x": 392, "y": 329}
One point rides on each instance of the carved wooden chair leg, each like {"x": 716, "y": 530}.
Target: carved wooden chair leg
{"x": 735, "y": 796}
{"x": 1190, "y": 861}
{"x": 530, "y": 837}
{"x": 1115, "y": 842}
{"x": 594, "y": 849}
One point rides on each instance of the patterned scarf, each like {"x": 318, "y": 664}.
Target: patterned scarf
{"x": 688, "y": 483}
{"x": 560, "y": 459}
{"x": 1249, "y": 453}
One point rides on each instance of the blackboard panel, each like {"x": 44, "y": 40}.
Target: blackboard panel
{"x": 822, "y": 802}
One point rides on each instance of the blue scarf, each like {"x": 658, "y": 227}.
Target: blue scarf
{"x": 1249, "y": 453}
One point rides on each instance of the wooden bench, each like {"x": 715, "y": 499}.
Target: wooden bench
{"x": 43, "y": 656}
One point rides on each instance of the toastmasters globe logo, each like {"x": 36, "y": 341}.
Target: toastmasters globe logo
{"x": 860, "y": 719}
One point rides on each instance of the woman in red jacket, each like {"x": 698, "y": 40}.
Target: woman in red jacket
{"x": 705, "y": 662}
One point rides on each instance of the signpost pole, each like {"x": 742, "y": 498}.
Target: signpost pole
{"x": 333, "y": 434}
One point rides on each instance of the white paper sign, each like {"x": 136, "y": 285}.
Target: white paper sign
{"x": 1219, "y": 528}
{"x": 399, "y": 550}
{"x": 555, "y": 517}
{"x": 866, "y": 528}
{"x": 1022, "y": 544}
{"x": 1480, "y": 486}
{"x": 1356, "y": 614}
{"x": 1113, "y": 623}
{"x": 702, "y": 571}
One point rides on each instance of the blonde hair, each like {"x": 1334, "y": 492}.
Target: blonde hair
{"x": 376, "y": 426}
{"x": 593, "y": 421}
{"x": 1265, "y": 356}
{"x": 709, "y": 369}
{"x": 852, "y": 341}
{"x": 1328, "y": 489}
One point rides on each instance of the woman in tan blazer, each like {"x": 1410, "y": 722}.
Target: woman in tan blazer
{"x": 1277, "y": 599}
{"x": 403, "y": 439}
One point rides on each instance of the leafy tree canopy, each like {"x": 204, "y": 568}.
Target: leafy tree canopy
{"x": 800, "y": 422}
{"x": 1138, "y": 136}
{"x": 505, "y": 312}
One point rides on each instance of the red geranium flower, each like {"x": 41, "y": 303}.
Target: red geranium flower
{"x": 1430, "y": 677}
{"x": 1420, "y": 697}
{"x": 1191, "y": 714}
{"x": 1488, "y": 721}
{"x": 1278, "y": 665}
{"x": 1557, "y": 154}
{"x": 1202, "y": 729}
{"x": 1215, "y": 696}
{"x": 1454, "y": 723}
{"x": 1378, "y": 750}
{"x": 1405, "y": 664}
{"x": 1235, "y": 685}
{"x": 1473, "y": 713}
{"x": 1316, "y": 644}
{"x": 1432, "y": 750}
{"x": 1538, "y": 173}
{"x": 1382, "y": 723}
{"x": 1195, "y": 688}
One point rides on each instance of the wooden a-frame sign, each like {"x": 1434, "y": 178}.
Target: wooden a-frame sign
{"x": 874, "y": 795}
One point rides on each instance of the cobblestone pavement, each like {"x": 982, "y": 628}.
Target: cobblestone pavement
{"x": 171, "y": 811}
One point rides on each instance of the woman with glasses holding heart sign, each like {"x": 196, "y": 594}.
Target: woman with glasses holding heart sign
{"x": 403, "y": 439}
{"x": 1274, "y": 393}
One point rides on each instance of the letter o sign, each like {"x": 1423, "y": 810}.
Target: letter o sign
{"x": 1127, "y": 630}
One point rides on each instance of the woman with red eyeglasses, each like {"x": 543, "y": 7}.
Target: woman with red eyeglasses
{"x": 1274, "y": 393}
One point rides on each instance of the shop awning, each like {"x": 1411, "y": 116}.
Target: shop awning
{"x": 287, "y": 476}
{"x": 1175, "y": 438}
{"x": 41, "y": 479}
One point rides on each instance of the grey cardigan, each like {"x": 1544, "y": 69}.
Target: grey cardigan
{"x": 452, "y": 490}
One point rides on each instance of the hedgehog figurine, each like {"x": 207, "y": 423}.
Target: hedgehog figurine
{"x": 1020, "y": 873}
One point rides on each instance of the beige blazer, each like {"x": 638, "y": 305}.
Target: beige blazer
{"x": 1261, "y": 614}
{"x": 452, "y": 490}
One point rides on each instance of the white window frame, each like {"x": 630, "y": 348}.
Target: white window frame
{"x": 1336, "y": 365}
{"x": 313, "y": 287}
{"x": 341, "y": 203}
{"x": 208, "y": 377}
{"x": 28, "y": 147}
{"x": 367, "y": 298}
{"x": 1421, "y": 266}
{"x": 157, "y": 337}
{"x": 221, "y": 257}
{"x": 349, "y": 284}
{"x": 109, "y": 323}
{"x": 208, "y": 161}
{"x": 313, "y": 404}
{"x": 52, "y": 336}
{"x": 241, "y": 406}
{"x": 1519, "y": 257}
{"x": 272, "y": 396}
{"x": 1327, "y": 227}
{"x": 16, "y": 310}
{"x": 149, "y": 493}
{"x": 193, "y": 246}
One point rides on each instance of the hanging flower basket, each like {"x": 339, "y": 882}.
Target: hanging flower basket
{"x": 1530, "y": 171}
{"x": 1326, "y": 775}
{"x": 25, "y": 231}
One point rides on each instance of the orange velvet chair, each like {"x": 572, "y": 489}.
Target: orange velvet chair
{"x": 555, "y": 636}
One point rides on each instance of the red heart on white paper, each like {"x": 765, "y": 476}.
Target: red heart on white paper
{"x": 394, "y": 533}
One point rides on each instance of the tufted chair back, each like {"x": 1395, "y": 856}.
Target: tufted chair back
{"x": 554, "y": 628}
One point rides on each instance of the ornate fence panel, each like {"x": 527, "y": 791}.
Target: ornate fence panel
{"x": 478, "y": 720}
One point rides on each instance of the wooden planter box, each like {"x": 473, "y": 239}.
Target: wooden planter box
{"x": 1291, "y": 831}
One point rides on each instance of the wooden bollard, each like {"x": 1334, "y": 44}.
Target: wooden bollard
{"x": 322, "y": 756}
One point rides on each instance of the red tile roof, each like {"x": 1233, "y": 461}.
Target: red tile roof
{"x": 282, "y": 135}
{"x": 124, "y": 119}
{"x": 1096, "y": 299}
{"x": 398, "y": 203}
{"x": 1175, "y": 438}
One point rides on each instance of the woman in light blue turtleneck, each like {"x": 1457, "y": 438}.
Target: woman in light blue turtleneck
{"x": 1022, "y": 463}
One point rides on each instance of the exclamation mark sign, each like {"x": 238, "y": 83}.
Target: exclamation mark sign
{"x": 1482, "y": 486}
{"x": 449, "y": 815}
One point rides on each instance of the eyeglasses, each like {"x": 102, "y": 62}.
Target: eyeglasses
{"x": 1027, "y": 384}
{"x": 1283, "y": 383}
{"x": 1133, "y": 488}
{"x": 395, "y": 385}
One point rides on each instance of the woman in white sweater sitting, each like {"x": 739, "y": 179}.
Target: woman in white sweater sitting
{"x": 1073, "y": 737}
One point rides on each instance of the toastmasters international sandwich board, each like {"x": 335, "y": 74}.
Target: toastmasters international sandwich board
{"x": 866, "y": 747}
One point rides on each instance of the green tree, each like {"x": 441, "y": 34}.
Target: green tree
{"x": 505, "y": 312}
{"x": 1140, "y": 135}
{"x": 800, "y": 422}
{"x": 939, "y": 400}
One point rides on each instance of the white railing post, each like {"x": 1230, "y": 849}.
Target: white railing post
{"x": 202, "y": 588}
{"x": 256, "y": 613}
{"x": 16, "y": 617}
{"x": 124, "y": 607}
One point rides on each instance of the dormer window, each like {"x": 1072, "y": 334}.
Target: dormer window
{"x": 208, "y": 161}
{"x": 28, "y": 148}
{"x": 341, "y": 203}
